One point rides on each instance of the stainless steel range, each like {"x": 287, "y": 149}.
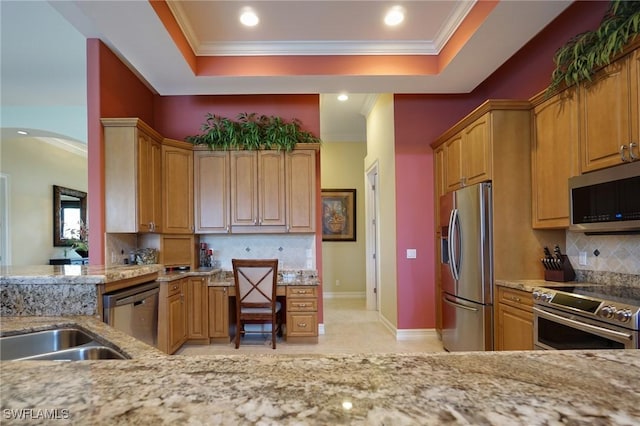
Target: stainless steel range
{"x": 586, "y": 317}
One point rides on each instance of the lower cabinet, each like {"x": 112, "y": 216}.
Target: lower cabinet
{"x": 219, "y": 314}
{"x": 172, "y": 315}
{"x": 302, "y": 314}
{"x": 514, "y": 320}
{"x": 198, "y": 310}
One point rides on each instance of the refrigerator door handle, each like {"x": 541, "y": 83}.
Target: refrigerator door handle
{"x": 457, "y": 305}
{"x": 452, "y": 255}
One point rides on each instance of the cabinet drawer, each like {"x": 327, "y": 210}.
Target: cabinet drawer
{"x": 302, "y": 291}
{"x": 302, "y": 324}
{"x": 517, "y": 298}
{"x": 302, "y": 305}
{"x": 174, "y": 287}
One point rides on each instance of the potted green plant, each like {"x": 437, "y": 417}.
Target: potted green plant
{"x": 80, "y": 240}
{"x": 579, "y": 58}
{"x": 251, "y": 131}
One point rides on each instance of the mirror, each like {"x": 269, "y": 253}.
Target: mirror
{"x": 69, "y": 210}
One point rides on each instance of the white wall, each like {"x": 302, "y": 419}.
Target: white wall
{"x": 344, "y": 261}
{"x": 33, "y": 168}
{"x": 381, "y": 149}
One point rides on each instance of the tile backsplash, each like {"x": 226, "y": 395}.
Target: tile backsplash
{"x": 293, "y": 251}
{"x": 616, "y": 253}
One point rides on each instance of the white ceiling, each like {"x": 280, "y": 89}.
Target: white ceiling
{"x": 43, "y": 54}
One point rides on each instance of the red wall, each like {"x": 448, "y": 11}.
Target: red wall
{"x": 112, "y": 91}
{"x": 420, "y": 119}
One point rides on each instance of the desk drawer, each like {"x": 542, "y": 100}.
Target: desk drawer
{"x": 302, "y": 291}
{"x": 301, "y": 305}
{"x": 302, "y": 324}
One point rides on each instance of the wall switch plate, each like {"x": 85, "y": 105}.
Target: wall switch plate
{"x": 583, "y": 258}
{"x": 411, "y": 253}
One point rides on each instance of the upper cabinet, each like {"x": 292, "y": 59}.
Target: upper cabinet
{"x": 255, "y": 191}
{"x": 177, "y": 187}
{"x": 133, "y": 176}
{"x": 211, "y": 186}
{"x": 609, "y": 116}
{"x": 554, "y": 157}
{"x": 301, "y": 190}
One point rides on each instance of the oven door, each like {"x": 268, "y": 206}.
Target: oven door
{"x": 555, "y": 329}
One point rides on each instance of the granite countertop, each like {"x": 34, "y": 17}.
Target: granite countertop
{"x": 73, "y": 274}
{"x": 222, "y": 278}
{"x": 526, "y": 388}
{"x": 529, "y": 285}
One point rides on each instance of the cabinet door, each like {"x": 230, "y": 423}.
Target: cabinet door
{"x": 211, "y": 186}
{"x": 271, "y": 188}
{"x": 218, "y": 312}
{"x": 197, "y": 308}
{"x": 244, "y": 188}
{"x": 453, "y": 161}
{"x": 476, "y": 151}
{"x": 177, "y": 199}
{"x": 149, "y": 184}
{"x": 635, "y": 106}
{"x": 301, "y": 190}
{"x": 605, "y": 116}
{"x": 554, "y": 159}
{"x": 177, "y": 320}
{"x": 515, "y": 329}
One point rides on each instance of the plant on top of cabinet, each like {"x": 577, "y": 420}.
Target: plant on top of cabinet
{"x": 251, "y": 132}
{"x": 579, "y": 58}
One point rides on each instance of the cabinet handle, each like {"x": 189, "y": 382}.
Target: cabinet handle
{"x": 515, "y": 299}
{"x": 228, "y": 229}
{"x": 302, "y": 305}
{"x": 622, "y": 156}
{"x": 632, "y": 156}
{"x": 224, "y": 290}
{"x": 302, "y": 324}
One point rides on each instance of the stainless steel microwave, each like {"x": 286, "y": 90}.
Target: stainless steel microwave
{"x": 606, "y": 201}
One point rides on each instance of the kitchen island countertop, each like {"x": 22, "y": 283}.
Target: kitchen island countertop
{"x": 525, "y": 388}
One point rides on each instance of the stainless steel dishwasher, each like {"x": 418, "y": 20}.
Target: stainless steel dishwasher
{"x": 134, "y": 311}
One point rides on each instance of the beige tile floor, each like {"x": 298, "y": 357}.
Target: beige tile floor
{"x": 349, "y": 328}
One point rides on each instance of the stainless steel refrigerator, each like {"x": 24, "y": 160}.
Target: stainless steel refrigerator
{"x": 467, "y": 269}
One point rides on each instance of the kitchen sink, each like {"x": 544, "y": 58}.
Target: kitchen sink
{"x": 58, "y": 344}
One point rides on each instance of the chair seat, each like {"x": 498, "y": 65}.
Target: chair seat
{"x": 246, "y": 310}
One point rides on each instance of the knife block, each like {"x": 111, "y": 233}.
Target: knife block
{"x": 561, "y": 275}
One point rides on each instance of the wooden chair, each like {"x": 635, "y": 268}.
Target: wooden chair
{"x": 255, "y": 281}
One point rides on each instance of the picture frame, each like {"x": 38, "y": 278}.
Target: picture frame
{"x": 338, "y": 215}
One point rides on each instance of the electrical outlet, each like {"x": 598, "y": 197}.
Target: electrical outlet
{"x": 411, "y": 253}
{"x": 583, "y": 258}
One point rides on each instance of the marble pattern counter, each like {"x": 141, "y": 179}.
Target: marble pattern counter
{"x": 523, "y": 388}
{"x": 529, "y": 285}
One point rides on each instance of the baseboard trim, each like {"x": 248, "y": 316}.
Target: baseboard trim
{"x": 409, "y": 334}
{"x": 344, "y": 295}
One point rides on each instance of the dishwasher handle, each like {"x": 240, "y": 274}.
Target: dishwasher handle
{"x": 130, "y": 295}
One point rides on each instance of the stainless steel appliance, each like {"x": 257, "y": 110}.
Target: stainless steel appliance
{"x": 134, "y": 311}
{"x": 586, "y": 317}
{"x": 606, "y": 201}
{"x": 467, "y": 269}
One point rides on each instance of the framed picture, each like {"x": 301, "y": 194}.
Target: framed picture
{"x": 338, "y": 215}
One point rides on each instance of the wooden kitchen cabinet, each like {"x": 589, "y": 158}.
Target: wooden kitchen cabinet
{"x": 211, "y": 187}
{"x": 302, "y": 314}
{"x": 554, "y": 157}
{"x": 609, "y": 115}
{"x": 514, "y": 320}
{"x": 467, "y": 155}
{"x": 172, "y": 316}
{"x": 219, "y": 314}
{"x": 257, "y": 191}
{"x": 177, "y": 187}
{"x": 133, "y": 176}
{"x": 301, "y": 191}
{"x": 197, "y": 310}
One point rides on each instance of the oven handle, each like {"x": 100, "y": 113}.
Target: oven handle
{"x": 582, "y": 326}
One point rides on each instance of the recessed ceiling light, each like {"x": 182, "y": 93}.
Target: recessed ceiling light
{"x": 394, "y": 16}
{"x": 248, "y": 17}
{"x": 22, "y": 132}
{"x": 343, "y": 97}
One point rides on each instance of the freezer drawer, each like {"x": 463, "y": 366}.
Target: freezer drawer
{"x": 466, "y": 326}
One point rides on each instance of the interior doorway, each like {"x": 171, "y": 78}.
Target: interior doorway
{"x": 372, "y": 226}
